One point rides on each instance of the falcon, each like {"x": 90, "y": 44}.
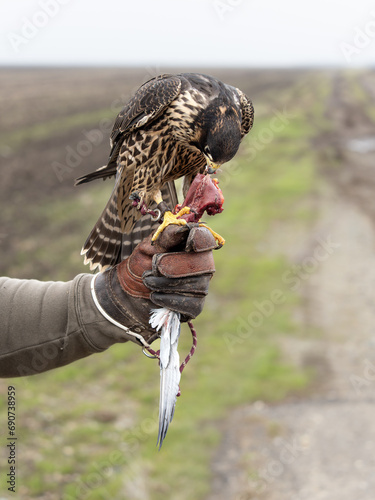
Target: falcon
{"x": 174, "y": 126}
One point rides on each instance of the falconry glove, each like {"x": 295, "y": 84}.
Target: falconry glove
{"x": 174, "y": 273}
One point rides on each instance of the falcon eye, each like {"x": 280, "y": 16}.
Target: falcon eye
{"x": 207, "y": 152}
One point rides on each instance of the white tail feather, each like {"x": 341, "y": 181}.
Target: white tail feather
{"x": 168, "y": 322}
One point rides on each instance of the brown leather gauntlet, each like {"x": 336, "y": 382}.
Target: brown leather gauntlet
{"x": 174, "y": 273}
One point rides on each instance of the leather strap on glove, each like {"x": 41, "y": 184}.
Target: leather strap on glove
{"x": 174, "y": 273}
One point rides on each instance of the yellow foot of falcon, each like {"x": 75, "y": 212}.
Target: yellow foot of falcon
{"x": 169, "y": 219}
{"x": 219, "y": 239}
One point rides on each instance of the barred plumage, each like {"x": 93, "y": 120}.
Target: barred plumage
{"x": 173, "y": 127}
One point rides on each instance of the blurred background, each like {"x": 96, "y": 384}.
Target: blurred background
{"x": 278, "y": 401}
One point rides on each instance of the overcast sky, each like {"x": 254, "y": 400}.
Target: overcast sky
{"x": 188, "y": 32}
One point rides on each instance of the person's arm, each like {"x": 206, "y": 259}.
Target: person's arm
{"x": 45, "y": 325}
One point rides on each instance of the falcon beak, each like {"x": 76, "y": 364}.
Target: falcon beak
{"x": 211, "y": 166}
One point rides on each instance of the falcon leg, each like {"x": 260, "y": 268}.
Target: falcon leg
{"x": 169, "y": 217}
{"x": 219, "y": 239}
{"x": 137, "y": 199}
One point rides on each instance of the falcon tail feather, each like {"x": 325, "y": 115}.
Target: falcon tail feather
{"x": 106, "y": 245}
{"x": 103, "y": 245}
{"x": 145, "y": 226}
{"x": 101, "y": 173}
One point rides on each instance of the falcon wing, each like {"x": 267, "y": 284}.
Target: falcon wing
{"x": 247, "y": 110}
{"x": 150, "y": 100}
{"x": 146, "y": 104}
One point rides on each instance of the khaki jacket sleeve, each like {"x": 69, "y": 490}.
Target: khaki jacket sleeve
{"x": 44, "y": 325}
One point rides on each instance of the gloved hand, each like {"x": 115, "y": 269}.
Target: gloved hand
{"x": 174, "y": 272}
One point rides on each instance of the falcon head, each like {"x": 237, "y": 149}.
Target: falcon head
{"x": 218, "y": 133}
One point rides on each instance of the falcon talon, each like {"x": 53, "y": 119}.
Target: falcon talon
{"x": 183, "y": 211}
{"x": 220, "y": 241}
{"x": 170, "y": 218}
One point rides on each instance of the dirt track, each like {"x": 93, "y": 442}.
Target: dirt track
{"x": 322, "y": 446}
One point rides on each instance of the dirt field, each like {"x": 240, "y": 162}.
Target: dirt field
{"x": 315, "y": 444}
